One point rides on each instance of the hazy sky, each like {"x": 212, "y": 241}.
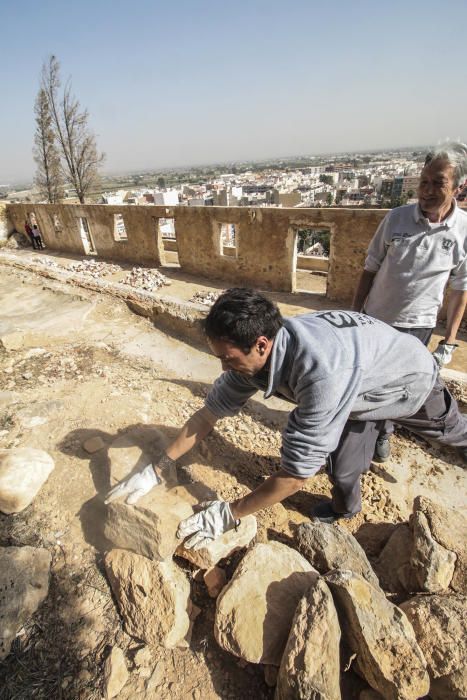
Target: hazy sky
{"x": 187, "y": 82}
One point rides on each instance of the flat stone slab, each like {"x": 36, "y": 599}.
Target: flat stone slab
{"x": 24, "y": 584}
{"x": 255, "y": 610}
{"x": 23, "y": 470}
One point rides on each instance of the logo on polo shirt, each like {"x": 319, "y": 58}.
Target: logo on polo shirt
{"x": 447, "y": 244}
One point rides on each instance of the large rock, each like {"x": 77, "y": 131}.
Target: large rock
{"x": 133, "y": 450}
{"x": 254, "y": 612}
{"x": 449, "y": 528}
{"x": 24, "y": 584}
{"x": 432, "y": 563}
{"x": 153, "y": 598}
{"x": 393, "y": 566}
{"x": 330, "y": 547}
{"x": 440, "y": 625}
{"x": 310, "y": 664}
{"x": 23, "y": 470}
{"x": 387, "y": 653}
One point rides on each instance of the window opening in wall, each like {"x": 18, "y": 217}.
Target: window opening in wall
{"x": 311, "y": 261}
{"x": 57, "y": 224}
{"x": 165, "y": 227}
{"x": 120, "y": 233}
{"x": 228, "y": 240}
{"x": 86, "y": 237}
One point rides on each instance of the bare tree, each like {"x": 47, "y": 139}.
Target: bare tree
{"x": 48, "y": 174}
{"x": 81, "y": 159}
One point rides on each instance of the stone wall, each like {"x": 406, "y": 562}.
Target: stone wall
{"x": 265, "y": 252}
{"x": 5, "y": 224}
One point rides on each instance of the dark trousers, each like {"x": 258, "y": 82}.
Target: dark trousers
{"x": 424, "y": 335}
{"x": 438, "y": 420}
{"x": 39, "y": 243}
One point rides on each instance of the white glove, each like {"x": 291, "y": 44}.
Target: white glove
{"x": 135, "y": 486}
{"x": 205, "y": 526}
{"x": 443, "y": 353}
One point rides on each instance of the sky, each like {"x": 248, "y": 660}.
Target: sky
{"x": 195, "y": 82}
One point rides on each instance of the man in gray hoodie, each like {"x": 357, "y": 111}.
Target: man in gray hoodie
{"x": 344, "y": 371}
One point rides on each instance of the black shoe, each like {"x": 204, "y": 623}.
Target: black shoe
{"x": 325, "y": 513}
{"x": 382, "y": 450}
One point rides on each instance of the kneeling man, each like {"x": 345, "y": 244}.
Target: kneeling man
{"x": 344, "y": 371}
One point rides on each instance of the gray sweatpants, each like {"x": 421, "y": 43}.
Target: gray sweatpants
{"x": 438, "y": 420}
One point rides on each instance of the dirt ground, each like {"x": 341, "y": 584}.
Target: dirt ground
{"x": 87, "y": 366}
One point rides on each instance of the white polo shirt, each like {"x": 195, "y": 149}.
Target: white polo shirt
{"x": 414, "y": 260}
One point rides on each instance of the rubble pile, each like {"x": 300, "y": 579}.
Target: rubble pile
{"x": 206, "y": 298}
{"x": 47, "y": 262}
{"x": 95, "y": 268}
{"x": 149, "y": 279}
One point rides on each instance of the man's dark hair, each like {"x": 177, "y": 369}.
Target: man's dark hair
{"x": 240, "y": 316}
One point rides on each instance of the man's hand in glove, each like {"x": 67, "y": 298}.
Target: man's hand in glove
{"x": 206, "y": 525}
{"x": 142, "y": 482}
{"x": 443, "y": 353}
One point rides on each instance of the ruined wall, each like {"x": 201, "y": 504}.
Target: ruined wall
{"x": 5, "y": 224}
{"x": 264, "y": 255}
{"x": 143, "y": 245}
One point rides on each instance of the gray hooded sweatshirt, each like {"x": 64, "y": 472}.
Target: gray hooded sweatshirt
{"x": 335, "y": 366}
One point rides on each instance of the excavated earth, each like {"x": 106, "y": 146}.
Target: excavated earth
{"x": 76, "y": 364}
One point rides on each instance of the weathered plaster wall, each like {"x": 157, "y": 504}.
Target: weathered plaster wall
{"x": 264, "y": 256}
{"x": 5, "y": 223}
{"x": 313, "y": 263}
{"x": 144, "y": 243}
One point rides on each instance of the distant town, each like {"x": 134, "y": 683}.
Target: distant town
{"x": 382, "y": 179}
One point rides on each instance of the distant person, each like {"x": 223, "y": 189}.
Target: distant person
{"x": 417, "y": 250}
{"x": 28, "y": 229}
{"x": 37, "y": 237}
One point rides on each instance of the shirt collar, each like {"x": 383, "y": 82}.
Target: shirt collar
{"x": 447, "y": 223}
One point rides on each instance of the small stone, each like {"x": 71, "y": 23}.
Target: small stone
{"x": 115, "y": 673}
{"x": 22, "y": 473}
{"x": 143, "y": 657}
{"x": 215, "y": 580}
{"x": 93, "y": 444}
{"x": 156, "y": 678}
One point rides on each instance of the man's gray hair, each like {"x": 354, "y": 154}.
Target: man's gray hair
{"x": 455, "y": 153}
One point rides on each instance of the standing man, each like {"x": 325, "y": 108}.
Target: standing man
{"x": 417, "y": 250}
{"x": 344, "y": 371}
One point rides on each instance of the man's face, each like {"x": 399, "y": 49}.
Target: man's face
{"x": 436, "y": 188}
{"x": 233, "y": 357}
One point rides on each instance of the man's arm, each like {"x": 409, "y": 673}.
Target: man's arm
{"x": 456, "y": 308}
{"x": 364, "y": 285}
{"x": 197, "y": 427}
{"x": 273, "y": 490}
